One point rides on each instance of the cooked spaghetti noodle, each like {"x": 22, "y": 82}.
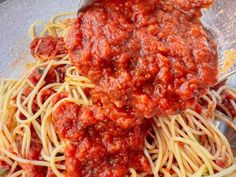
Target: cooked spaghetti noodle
{"x": 186, "y": 144}
{"x": 18, "y": 119}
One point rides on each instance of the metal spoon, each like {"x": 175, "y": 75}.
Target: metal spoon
{"x": 219, "y": 21}
{"x": 85, "y": 3}
{"x": 228, "y": 131}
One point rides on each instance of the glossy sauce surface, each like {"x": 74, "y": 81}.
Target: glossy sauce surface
{"x": 146, "y": 58}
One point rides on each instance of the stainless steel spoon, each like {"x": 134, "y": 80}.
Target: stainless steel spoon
{"x": 227, "y": 131}
{"x": 220, "y": 22}
{"x": 85, "y": 3}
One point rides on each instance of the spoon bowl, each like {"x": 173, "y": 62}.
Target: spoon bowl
{"x": 218, "y": 21}
{"x": 228, "y": 131}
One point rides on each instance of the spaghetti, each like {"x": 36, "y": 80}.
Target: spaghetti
{"x": 19, "y": 122}
{"x": 186, "y": 144}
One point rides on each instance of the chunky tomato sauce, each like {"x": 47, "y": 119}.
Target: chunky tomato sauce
{"x": 98, "y": 147}
{"x": 146, "y": 58}
{"x": 45, "y": 48}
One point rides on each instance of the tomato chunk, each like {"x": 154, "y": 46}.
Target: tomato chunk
{"x": 59, "y": 96}
{"x": 48, "y": 47}
{"x": 37, "y": 73}
{"x": 65, "y": 119}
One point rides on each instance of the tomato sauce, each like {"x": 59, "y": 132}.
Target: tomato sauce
{"x": 59, "y": 96}
{"x": 107, "y": 151}
{"x": 4, "y": 168}
{"x": 34, "y": 154}
{"x": 66, "y": 121}
{"x": 37, "y": 73}
{"x": 97, "y": 146}
{"x": 146, "y": 58}
{"x": 221, "y": 162}
{"x": 26, "y": 92}
{"x": 45, "y": 94}
{"x": 48, "y": 47}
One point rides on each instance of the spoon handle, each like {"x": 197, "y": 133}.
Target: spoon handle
{"x": 85, "y": 3}
{"x": 225, "y": 77}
